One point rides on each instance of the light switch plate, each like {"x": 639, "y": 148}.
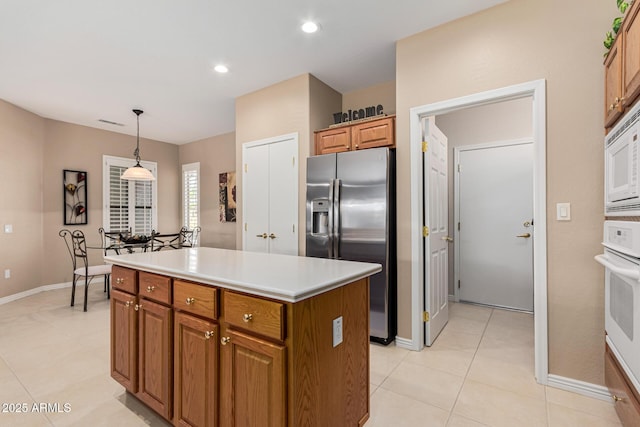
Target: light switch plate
{"x": 337, "y": 331}
{"x": 8, "y": 228}
{"x": 563, "y": 211}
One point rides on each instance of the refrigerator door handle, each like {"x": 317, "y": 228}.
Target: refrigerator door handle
{"x": 336, "y": 218}
{"x": 330, "y": 220}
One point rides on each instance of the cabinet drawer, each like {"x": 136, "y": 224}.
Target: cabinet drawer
{"x": 124, "y": 279}
{"x": 626, "y": 402}
{"x": 194, "y": 298}
{"x": 155, "y": 287}
{"x": 253, "y": 314}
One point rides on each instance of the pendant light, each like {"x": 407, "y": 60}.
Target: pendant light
{"x": 137, "y": 172}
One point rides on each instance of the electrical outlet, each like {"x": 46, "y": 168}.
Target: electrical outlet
{"x": 337, "y": 331}
{"x": 7, "y": 274}
{"x": 8, "y": 228}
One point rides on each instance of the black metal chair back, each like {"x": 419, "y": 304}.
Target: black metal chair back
{"x": 77, "y": 247}
{"x": 189, "y": 238}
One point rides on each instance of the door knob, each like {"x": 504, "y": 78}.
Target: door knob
{"x": 273, "y": 236}
{"x": 263, "y": 235}
{"x": 447, "y": 238}
{"x": 525, "y": 235}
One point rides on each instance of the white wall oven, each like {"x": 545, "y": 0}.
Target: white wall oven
{"x": 621, "y": 260}
{"x": 622, "y": 185}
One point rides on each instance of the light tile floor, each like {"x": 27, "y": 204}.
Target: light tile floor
{"x": 478, "y": 373}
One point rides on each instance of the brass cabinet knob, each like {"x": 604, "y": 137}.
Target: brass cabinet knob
{"x": 208, "y": 334}
{"x": 119, "y": 280}
{"x": 128, "y": 304}
{"x": 263, "y": 235}
{"x": 137, "y": 307}
{"x": 247, "y": 317}
{"x": 150, "y": 288}
{"x": 273, "y": 236}
{"x": 190, "y": 301}
{"x": 617, "y": 399}
{"x": 224, "y": 340}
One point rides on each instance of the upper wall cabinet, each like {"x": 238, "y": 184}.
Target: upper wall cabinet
{"x": 622, "y": 68}
{"x": 368, "y": 134}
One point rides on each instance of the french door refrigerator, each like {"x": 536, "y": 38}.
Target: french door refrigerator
{"x": 351, "y": 216}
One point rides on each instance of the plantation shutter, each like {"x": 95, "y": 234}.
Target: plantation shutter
{"x": 128, "y": 205}
{"x": 191, "y": 195}
{"x": 118, "y": 200}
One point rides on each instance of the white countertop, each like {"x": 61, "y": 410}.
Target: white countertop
{"x": 283, "y": 277}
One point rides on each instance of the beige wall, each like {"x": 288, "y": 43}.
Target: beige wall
{"x": 519, "y": 41}
{"x": 502, "y": 121}
{"x": 280, "y": 109}
{"x": 215, "y": 155}
{"x": 70, "y": 146}
{"x": 21, "y": 161}
{"x": 383, "y": 93}
{"x": 33, "y": 153}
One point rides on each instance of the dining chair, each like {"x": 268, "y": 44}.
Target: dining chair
{"x": 77, "y": 247}
{"x": 189, "y": 238}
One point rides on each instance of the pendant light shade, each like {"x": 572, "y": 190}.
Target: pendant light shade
{"x": 137, "y": 172}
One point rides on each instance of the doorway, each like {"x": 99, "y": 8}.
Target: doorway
{"x": 536, "y": 91}
{"x": 494, "y": 220}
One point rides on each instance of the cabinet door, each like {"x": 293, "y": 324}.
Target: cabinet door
{"x": 376, "y": 133}
{"x": 631, "y": 56}
{"x": 124, "y": 336}
{"x": 196, "y": 368}
{"x": 253, "y": 382}
{"x": 626, "y": 403}
{"x": 155, "y": 355}
{"x": 333, "y": 140}
{"x": 613, "y": 84}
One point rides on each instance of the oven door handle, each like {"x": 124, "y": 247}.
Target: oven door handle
{"x": 631, "y": 273}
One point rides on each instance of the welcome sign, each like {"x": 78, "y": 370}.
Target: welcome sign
{"x": 362, "y": 113}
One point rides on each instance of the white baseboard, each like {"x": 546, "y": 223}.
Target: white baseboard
{"x": 44, "y": 288}
{"x": 405, "y": 343}
{"x": 580, "y": 387}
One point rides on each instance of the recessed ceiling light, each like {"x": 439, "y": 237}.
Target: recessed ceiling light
{"x": 221, "y": 68}
{"x": 310, "y": 27}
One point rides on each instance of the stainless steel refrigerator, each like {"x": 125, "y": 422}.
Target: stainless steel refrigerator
{"x": 351, "y": 216}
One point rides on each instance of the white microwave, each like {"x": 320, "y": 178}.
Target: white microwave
{"x": 622, "y": 186}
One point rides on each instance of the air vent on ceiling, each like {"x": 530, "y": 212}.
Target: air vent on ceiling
{"x": 109, "y": 122}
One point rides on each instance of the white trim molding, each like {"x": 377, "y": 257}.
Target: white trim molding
{"x": 537, "y": 91}
{"x": 404, "y": 343}
{"x": 580, "y": 387}
{"x": 44, "y": 288}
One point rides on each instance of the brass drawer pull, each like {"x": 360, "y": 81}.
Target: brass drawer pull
{"x": 119, "y": 280}
{"x": 617, "y": 399}
{"x": 224, "y": 340}
{"x": 208, "y": 334}
{"x": 190, "y": 301}
{"x": 150, "y": 288}
{"x": 128, "y": 304}
{"x": 247, "y": 317}
{"x": 137, "y": 307}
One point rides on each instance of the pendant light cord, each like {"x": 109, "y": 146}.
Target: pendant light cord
{"x": 136, "y": 153}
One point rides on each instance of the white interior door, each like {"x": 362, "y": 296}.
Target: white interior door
{"x": 495, "y": 237}
{"x": 270, "y": 195}
{"x": 255, "y": 198}
{"x": 436, "y": 243}
{"x": 283, "y": 197}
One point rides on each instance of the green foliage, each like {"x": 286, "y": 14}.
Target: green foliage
{"x": 615, "y": 26}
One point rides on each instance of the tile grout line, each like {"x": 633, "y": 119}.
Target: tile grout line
{"x": 453, "y": 407}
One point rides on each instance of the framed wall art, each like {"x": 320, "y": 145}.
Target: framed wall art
{"x": 74, "y": 193}
{"x": 227, "y": 183}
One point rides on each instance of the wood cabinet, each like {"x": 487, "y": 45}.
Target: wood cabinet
{"x": 213, "y": 356}
{"x": 196, "y": 371}
{"x": 626, "y": 399}
{"x": 368, "y": 134}
{"x": 622, "y": 68}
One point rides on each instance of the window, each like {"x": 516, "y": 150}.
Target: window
{"x": 191, "y": 195}
{"x": 128, "y": 205}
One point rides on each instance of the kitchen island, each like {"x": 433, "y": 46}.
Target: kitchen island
{"x": 209, "y": 337}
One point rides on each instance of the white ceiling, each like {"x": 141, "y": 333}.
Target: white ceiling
{"x": 79, "y": 61}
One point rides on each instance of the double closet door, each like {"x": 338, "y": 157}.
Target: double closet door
{"x": 270, "y": 195}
